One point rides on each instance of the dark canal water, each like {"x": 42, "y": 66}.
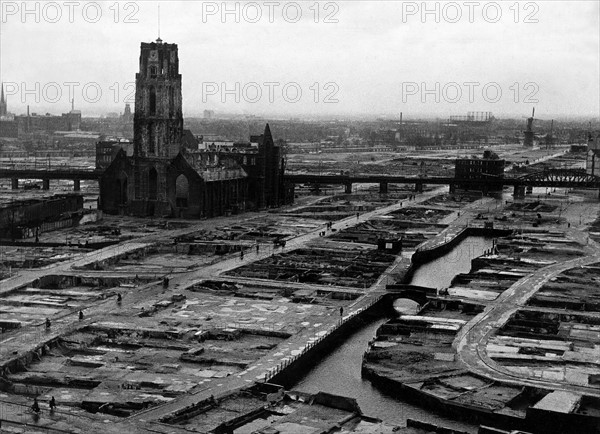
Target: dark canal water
{"x": 340, "y": 372}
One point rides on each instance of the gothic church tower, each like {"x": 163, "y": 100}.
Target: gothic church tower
{"x": 158, "y": 119}
{"x": 157, "y": 126}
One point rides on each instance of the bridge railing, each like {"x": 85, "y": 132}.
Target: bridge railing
{"x": 44, "y": 167}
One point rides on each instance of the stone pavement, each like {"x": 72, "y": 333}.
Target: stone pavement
{"x": 472, "y": 340}
{"x": 25, "y": 277}
{"x": 297, "y": 242}
{"x": 29, "y": 338}
{"x": 296, "y": 345}
{"x": 457, "y": 222}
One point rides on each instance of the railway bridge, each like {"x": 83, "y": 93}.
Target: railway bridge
{"x": 45, "y": 175}
{"x": 557, "y": 178}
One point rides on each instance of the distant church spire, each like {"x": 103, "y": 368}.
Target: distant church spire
{"x": 3, "y": 109}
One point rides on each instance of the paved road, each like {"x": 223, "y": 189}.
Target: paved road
{"x": 25, "y": 277}
{"x": 299, "y": 342}
{"x": 472, "y": 340}
{"x": 31, "y": 337}
{"x": 294, "y": 345}
{"x": 263, "y": 368}
{"x": 295, "y": 243}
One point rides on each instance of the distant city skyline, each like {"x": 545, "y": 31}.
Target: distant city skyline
{"x": 378, "y": 59}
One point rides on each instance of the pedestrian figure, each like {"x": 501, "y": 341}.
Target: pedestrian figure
{"x": 119, "y": 298}
{"x": 357, "y": 214}
{"x": 341, "y": 311}
{"x": 80, "y": 315}
{"x": 47, "y": 323}
{"x": 35, "y": 406}
{"x": 242, "y": 255}
{"x": 257, "y": 248}
{"x": 52, "y": 404}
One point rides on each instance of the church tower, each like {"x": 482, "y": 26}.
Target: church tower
{"x": 158, "y": 118}
{"x": 157, "y": 127}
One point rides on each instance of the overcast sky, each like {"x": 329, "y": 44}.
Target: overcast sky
{"x": 362, "y": 57}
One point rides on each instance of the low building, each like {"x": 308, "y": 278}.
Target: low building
{"x": 26, "y": 218}
{"x": 49, "y": 123}
{"x": 592, "y": 166}
{"x": 9, "y": 128}
{"x": 472, "y": 171}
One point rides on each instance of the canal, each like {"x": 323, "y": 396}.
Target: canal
{"x": 340, "y": 372}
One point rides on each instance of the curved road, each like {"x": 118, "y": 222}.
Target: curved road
{"x": 472, "y": 340}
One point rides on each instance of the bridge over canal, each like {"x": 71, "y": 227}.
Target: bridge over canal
{"x": 555, "y": 178}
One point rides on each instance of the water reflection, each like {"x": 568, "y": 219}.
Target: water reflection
{"x": 440, "y": 272}
{"x": 406, "y": 306}
{"x": 340, "y": 372}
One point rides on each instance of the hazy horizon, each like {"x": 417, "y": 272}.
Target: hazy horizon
{"x": 379, "y": 59}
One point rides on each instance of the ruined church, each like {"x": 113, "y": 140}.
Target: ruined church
{"x": 164, "y": 179}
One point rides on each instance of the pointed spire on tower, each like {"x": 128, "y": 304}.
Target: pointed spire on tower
{"x": 158, "y": 40}
{"x": 268, "y": 138}
{"x": 3, "y": 109}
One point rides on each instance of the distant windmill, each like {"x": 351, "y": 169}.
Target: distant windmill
{"x": 528, "y": 133}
